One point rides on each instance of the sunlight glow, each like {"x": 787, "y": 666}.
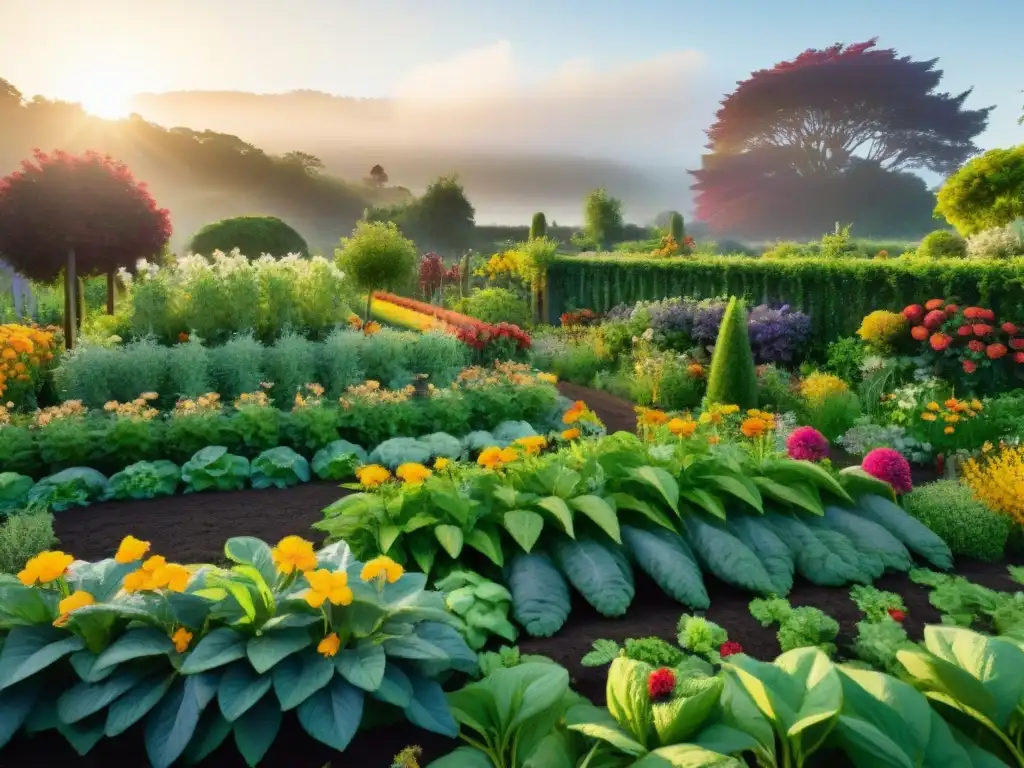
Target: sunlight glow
{"x": 103, "y": 91}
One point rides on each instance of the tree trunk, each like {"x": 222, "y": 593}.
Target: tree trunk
{"x": 70, "y": 301}
{"x": 111, "y": 278}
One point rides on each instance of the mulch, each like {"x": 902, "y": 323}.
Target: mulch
{"x": 193, "y": 529}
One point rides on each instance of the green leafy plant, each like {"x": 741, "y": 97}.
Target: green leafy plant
{"x": 877, "y": 605}
{"x": 699, "y": 636}
{"x": 23, "y": 534}
{"x": 213, "y": 468}
{"x": 506, "y": 656}
{"x": 279, "y": 467}
{"x": 942, "y": 244}
{"x": 252, "y": 235}
{"x": 144, "y": 480}
{"x": 965, "y": 603}
{"x": 14, "y": 490}
{"x": 802, "y": 627}
{"x": 482, "y": 605}
{"x": 879, "y": 642}
{"x": 338, "y": 460}
{"x": 72, "y": 487}
{"x": 377, "y": 256}
{"x": 733, "y": 380}
{"x": 650, "y": 650}
{"x": 969, "y": 527}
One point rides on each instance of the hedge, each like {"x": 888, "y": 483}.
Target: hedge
{"x": 836, "y": 293}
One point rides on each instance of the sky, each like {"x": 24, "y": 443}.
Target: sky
{"x": 671, "y": 59}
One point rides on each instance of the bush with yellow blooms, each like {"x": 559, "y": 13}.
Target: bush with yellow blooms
{"x": 26, "y": 352}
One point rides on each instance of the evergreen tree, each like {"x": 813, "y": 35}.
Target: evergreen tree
{"x": 733, "y": 378}
{"x": 539, "y": 226}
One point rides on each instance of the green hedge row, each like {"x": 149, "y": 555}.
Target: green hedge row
{"x": 836, "y": 293}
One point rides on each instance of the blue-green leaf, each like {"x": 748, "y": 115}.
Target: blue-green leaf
{"x": 28, "y": 650}
{"x": 219, "y": 647}
{"x": 133, "y": 644}
{"x": 85, "y": 699}
{"x": 171, "y": 724}
{"x": 429, "y": 708}
{"x": 240, "y": 688}
{"x": 395, "y": 688}
{"x": 136, "y": 703}
{"x": 299, "y": 676}
{"x": 264, "y": 651}
{"x": 363, "y": 666}
{"x": 16, "y": 703}
{"x": 256, "y": 730}
{"x": 332, "y": 714}
{"x": 540, "y": 596}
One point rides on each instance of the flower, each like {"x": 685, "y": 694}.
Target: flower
{"x": 181, "y": 639}
{"x": 940, "y": 341}
{"x": 964, "y": 330}
{"x": 652, "y": 417}
{"x": 330, "y": 586}
{"x": 976, "y": 346}
{"x": 1018, "y": 357}
{"x": 547, "y": 378}
{"x": 372, "y": 476}
{"x": 696, "y": 370}
{"x": 682, "y": 427}
{"x": 412, "y": 473}
{"x": 441, "y": 464}
{"x": 914, "y": 313}
{"x": 889, "y": 465}
{"x": 932, "y": 304}
{"x": 533, "y": 444}
{"x": 949, "y": 430}
{"x": 919, "y": 332}
{"x": 714, "y": 439}
{"x": 570, "y": 434}
{"x": 45, "y": 567}
{"x": 818, "y": 387}
{"x": 934, "y": 319}
{"x": 969, "y": 366}
{"x": 661, "y": 683}
{"x": 729, "y": 648}
{"x": 753, "y": 427}
{"x": 1017, "y": 344}
{"x": 807, "y": 444}
{"x": 494, "y": 458}
{"x": 933, "y": 406}
{"x": 329, "y": 646}
{"x": 575, "y": 412}
{"x": 382, "y": 567}
{"x": 928, "y": 416}
{"x": 995, "y": 351}
{"x": 896, "y": 614}
{"x": 997, "y": 479}
{"x": 77, "y": 599}
{"x": 157, "y": 573}
{"x": 880, "y": 328}
{"x": 981, "y": 329}
{"x": 131, "y": 549}
{"x": 1009, "y": 328}
{"x": 293, "y": 553}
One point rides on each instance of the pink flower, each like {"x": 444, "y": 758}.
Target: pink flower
{"x": 807, "y": 444}
{"x": 889, "y": 465}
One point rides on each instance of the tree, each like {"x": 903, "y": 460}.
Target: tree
{"x": 253, "y": 236}
{"x": 602, "y": 218}
{"x": 676, "y": 228}
{"x": 378, "y": 176}
{"x": 733, "y": 377}
{"x": 83, "y": 214}
{"x": 788, "y": 134}
{"x": 988, "y": 192}
{"x": 538, "y": 226}
{"x": 443, "y": 217}
{"x": 310, "y": 164}
{"x": 377, "y": 256}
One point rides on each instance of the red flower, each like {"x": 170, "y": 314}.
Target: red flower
{"x": 952, "y": 309}
{"x": 934, "y": 319}
{"x": 889, "y": 465}
{"x": 919, "y": 332}
{"x": 964, "y": 330}
{"x": 940, "y": 341}
{"x": 896, "y": 614}
{"x": 730, "y": 648}
{"x": 974, "y": 345}
{"x": 977, "y": 313}
{"x": 933, "y": 304}
{"x": 914, "y": 313}
{"x": 1018, "y": 357}
{"x": 661, "y": 683}
{"x": 995, "y": 351}
{"x": 1009, "y": 328}
{"x": 1016, "y": 343}
{"x": 970, "y": 366}
{"x": 980, "y": 329}
{"x": 183, "y": 337}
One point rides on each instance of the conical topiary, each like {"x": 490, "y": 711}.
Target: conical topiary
{"x": 676, "y": 228}
{"x": 733, "y": 379}
{"x": 539, "y": 226}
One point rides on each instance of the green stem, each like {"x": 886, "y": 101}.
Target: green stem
{"x": 590, "y": 755}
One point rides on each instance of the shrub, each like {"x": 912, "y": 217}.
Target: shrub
{"x": 676, "y": 229}
{"x": 997, "y": 479}
{"x": 23, "y": 535}
{"x": 986, "y": 192}
{"x": 881, "y": 329}
{"x": 942, "y": 244}
{"x": 833, "y": 414}
{"x": 733, "y": 379}
{"x": 252, "y": 235}
{"x": 377, "y": 256}
{"x": 999, "y": 243}
{"x": 844, "y": 358}
{"x": 497, "y": 305}
{"x": 969, "y": 527}
{"x": 538, "y": 226}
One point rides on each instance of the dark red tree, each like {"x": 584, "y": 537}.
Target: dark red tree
{"x": 77, "y": 214}
{"x": 796, "y": 132}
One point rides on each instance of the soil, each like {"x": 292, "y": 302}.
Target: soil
{"x": 194, "y": 528}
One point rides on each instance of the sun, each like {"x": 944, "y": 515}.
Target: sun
{"x": 105, "y": 92}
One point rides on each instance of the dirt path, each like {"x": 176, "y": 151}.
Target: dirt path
{"x": 618, "y": 415}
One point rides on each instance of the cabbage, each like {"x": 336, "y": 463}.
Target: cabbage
{"x": 475, "y": 442}
{"x": 279, "y": 467}
{"x": 14, "y": 489}
{"x": 400, "y": 450}
{"x": 508, "y": 432}
{"x": 76, "y": 486}
{"x": 338, "y": 460}
{"x": 145, "y": 480}
{"x": 441, "y": 444}
{"x": 213, "y": 468}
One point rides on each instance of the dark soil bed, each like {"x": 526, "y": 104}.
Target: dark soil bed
{"x": 617, "y": 414}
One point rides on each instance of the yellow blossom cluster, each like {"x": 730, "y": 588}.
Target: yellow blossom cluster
{"x": 881, "y": 328}
{"x": 818, "y": 387}
{"x": 208, "y": 403}
{"x": 997, "y": 479}
{"x": 509, "y": 263}
{"x": 757, "y": 424}
{"x": 714, "y": 413}
{"x": 372, "y": 392}
{"x": 495, "y": 458}
{"x": 139, "y": 408}
{"x": 258, "y": 399}
{"x": 532, "y": 445}
{"x": 412, "y": 473}
{"x": 310, "y": 396}
{"x": 70, "y": 409}
{"x": 24, "y": 350}
{"x": 951, "y": 413}
{"x": 372, "y": 476}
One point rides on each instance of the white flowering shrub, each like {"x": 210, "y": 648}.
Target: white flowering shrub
{"x": 998, "y": 243}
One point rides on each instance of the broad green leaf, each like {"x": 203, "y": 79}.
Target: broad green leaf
{"x": 858, "y": 483}
{"x": 706, "y": 501}
{"x": 867, "y": 746}
{"x": 726, "y": 739}
{"x": 463, "y": 757}
{"x": 540, "y": 693}
{"x": 686, "y": 756}
{"x": 790, "y": 470}
{"x": 216, "y": 649}
{"x": 264, "y": 651}
{"x": 423, "y": 548}
{"x": 395, "y": 687}
{"x": 524, "y": 526}
{"x": 598, "y": 510}
{"x": 26, "y": 606}
{"x": 136, "y": 703}
{"x": 248, "y": 550}
{"x": 487, "y": 542}
{"x": 240, "y": 687}
{"x": 740, "y": 487}
{"x": 387, "y": 535}
{"x": 660, "y": 481}
{"x": 299, "y": 676}
{"x": 211, "y": 732}
{"x": 677, "y": 719}
{"x": 558, "y": 509}
{"x": 134, "y": 644}
{"x": 82, "y": 735}
{"x": 363, "y": 665}
{"x": 242, "y": 593}
{"x": 172, "y": 722}
{"x": 797, "y": 494}
{"x": 28, "y": 650}
{"x": 624, "y": 501}
{"x": 597, "y": 723}
{"x": 85, "y": 699}
{"x": 332, "y": 714}
{"x": 628, "y": 701}
{"x": 450, "y": 538}
{"x": 428, "y": 708}
{"x": 256, "y": 730}
{"x": 414, "y": 648}
{"x": 16, "y": 703}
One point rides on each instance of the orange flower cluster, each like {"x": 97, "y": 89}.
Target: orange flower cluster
{"x": 24, "y": 352}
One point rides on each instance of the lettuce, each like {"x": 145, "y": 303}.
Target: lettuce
{"x": 666, "y": 558}
{"x": 213, "y": 468}
{"x": 279, "y": 467}
{"x": 145, "y": 480}
{"x": 338, "y": 460}
{"x": 73, "y": 487}
{"x": 540, "y": 596}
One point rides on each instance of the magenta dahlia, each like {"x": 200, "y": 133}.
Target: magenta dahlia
{"x": 807, "y": 444}
{"x": 889, "y": 465}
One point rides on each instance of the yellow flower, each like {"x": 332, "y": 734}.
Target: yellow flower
{"x": 932, "y": 406}
{"x": 705, "y": 418}
{"x": 329, "y": 646}
{"x": 881, "y": 328}
{"x": 998, "y": 480}
{"x": 412, "y": 473}
{"x": 547, "y": 378}
{"x": 728, "y": 410}
{"x": 532, "y": 444}
{"x": 570, "y": 434}
{"x": 181, "y": 639}
{"x": 714, "y": 439}
{"x": 372, "y": 476}
{"x": 441, "y": 464}
{"x": 951, "y": 418}
{"x": 327, "y": 585}
{"x": 45, "y": 567}
{"x": 682, "y": 427}
{"x": 976, "y": 405}
{"x": 928, "y": 416}
{"x": 818, "y": 387}
{"x": 131, "y": 549}
{"x": 753, "y": 427}
{"x": 74, "y": 601}
{"x": 986, "y": 447}
{"x": 949, "y": 430}
{"x": 157, "y": 573}
{"x": 294, "y": 553}
{"x": 382, "y": 567}
{"x": 495, "y": 458}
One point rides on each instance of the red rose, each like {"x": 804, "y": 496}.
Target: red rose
{"x": 896, "y": 614}
{"x": 730, "y": 648}
{"x": 970, "y": 366}
{"x": 1019, "y": 357}
{"x": 934, "y": 319}
{"x": 964, "y": 330}
{"x": 989, "y": 315}
{"x": 914, "y": 313}
{"x": 661, "y": 683}
{"x": 980, "y": 329}
{"x": 1016, "y": 343}
{"x": 976, "y": 346}
{"x": 940, "y": 341}
{"x": 933, "y": 304}
{"x": 919, "y": 332}
{"x": 995, "y": 351}
{"x": 1009, "y": 328}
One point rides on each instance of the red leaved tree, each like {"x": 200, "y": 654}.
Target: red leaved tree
{"x": 80, "y": 214}
{"x": 787, "y": 142}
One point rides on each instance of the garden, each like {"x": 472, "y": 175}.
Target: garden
{"x": 724, "y": 511}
